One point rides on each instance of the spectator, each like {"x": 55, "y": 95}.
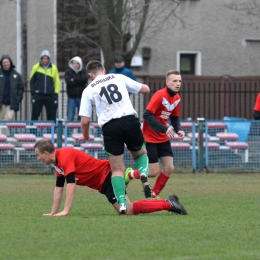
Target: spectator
{"x": 121, "y": 69}
{"x": 76, "y": 78}
{"x": 256, "y": 112}
{"x": 11, "y": 89}
{"x": 45, "y": 87}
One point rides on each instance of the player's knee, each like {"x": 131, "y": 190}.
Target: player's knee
{"x": 153, "y": 173}
{"x": 168, "y": 170}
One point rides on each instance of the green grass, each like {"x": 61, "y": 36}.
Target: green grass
{"x": 223, "y": 221}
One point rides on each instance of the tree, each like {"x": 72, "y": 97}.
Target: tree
{"x": 120, "y": 24}
{"x": 77, "y": 32}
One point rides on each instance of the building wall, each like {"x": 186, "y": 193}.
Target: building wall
{"x": 8, "y": 39}
{"x": 41, "y": 30}
{"x": 209, "y": 28}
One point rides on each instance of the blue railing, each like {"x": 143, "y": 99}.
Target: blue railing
{"x": 209, "y": 145}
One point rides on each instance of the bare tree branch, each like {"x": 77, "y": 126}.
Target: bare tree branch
{"x": 119, "y": 25}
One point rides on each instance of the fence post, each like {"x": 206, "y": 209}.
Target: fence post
{"x": 194, "y": 160}
{"x": 201, "y": 150}
{"x": 60, "y": 132}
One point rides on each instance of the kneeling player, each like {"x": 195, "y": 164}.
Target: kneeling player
{"x": 78, "y": 168}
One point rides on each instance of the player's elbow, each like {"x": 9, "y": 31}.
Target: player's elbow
{"x": 145, "y": 89}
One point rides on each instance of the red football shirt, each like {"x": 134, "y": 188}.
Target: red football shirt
{"x": 162, "y": 105}
{"x": 257, "y": 103}
{"x": 88, "y": 170}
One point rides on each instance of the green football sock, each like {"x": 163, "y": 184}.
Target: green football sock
{"x": 118, "y": 184}
{"x": 142, "y": 164}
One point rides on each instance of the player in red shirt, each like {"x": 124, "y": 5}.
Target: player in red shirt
{"x": 78, "y": 168}
{"x": 256, "y": 112}
{"x": 164, "y": 105}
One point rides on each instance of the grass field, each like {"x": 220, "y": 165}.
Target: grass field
{"x": 223, "y": 221}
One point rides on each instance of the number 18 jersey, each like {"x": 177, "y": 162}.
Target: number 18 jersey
{"x": 109, "y": 93}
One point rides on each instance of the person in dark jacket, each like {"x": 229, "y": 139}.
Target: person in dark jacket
{"x": 11, "y": 89}
{"x": 121, "y": 69}
{"x": 45, "y": 87}
{"x": 76, "y": 78}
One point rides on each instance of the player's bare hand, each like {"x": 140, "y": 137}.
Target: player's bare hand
{"x": 47, "y": 215}
{"x": 170, "y": 132}
{"x": 181, "y": 134}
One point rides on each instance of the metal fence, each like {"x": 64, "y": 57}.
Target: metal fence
{"x": 218, "y": 144}
{"x": 209, "y": 97}
{"x": 229, "y": 145}
{"x": 213, "y": 97}
{"x": 25, "y": 109}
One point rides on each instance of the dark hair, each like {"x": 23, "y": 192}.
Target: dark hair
{"x": 45, "y": 145}
{"x": 175, "y": 72}
{"x": 119, "y": 59}
{"x": 94, "y": 66}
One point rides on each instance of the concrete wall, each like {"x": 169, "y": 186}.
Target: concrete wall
{"x": 41, "y": 29}
{"x": 8, "y": 39}
{"x": 211, "y": 29}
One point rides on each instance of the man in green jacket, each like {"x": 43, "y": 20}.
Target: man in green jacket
{"x": 45, "y": 87}
{"x": 11, "y": 89}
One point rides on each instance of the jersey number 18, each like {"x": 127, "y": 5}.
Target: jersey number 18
{"x": 111, "y": 93}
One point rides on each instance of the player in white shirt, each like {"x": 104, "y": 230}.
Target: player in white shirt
{"x": 119, "y": 122}
{"x": 109, "y": 93}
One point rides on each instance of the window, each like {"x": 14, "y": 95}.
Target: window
{"x": 189, "y": 63}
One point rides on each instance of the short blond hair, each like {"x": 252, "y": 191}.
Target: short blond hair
{"x": 169, "y": 72}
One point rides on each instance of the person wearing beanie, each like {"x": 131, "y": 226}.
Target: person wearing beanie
{"x": 76, "y": 79}
{"x": 121, "y": 69}
{"x": 11, "y": 89}
{"x": 45, "y": 87}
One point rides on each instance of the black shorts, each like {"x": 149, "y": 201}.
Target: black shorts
{"x": 121, "y": 131}
{"x": 158, "y": 150}
{"x": 108, "y": 191}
